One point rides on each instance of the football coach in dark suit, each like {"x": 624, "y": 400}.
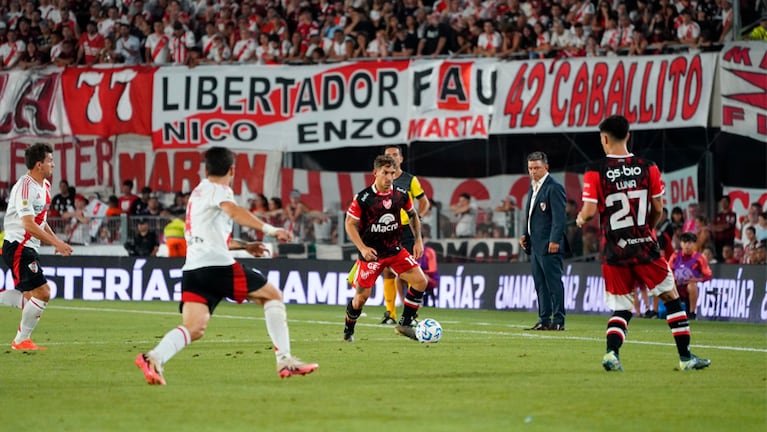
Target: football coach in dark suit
{"x": 544, "y": 240}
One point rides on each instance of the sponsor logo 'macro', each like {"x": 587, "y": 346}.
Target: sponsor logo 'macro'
{"x": 385, "y": 223}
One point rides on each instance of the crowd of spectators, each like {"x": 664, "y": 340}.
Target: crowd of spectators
{"x": 191, "y": 32}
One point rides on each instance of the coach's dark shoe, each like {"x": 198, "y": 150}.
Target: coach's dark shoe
{"x": 540, "y": 326}
{"x": 556, "y": 327}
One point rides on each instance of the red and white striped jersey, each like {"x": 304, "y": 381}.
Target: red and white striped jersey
{"x": 27, "y": 198}
{"x": 46, "y": 13}
{"x": 610, "y": 38}
{"x": 159, "y": 48}
{"x": 586, "y": 9}
{"x": 489, "y": 42}
{"x": 56, "y": 51}
{"x": 688, "y": 31}
{"x": 220, "y": 53}
{"x": 244, "y": 50}
{"x": 179, "y": 47}
{"x": 106, "y": 27}
{"x": 627, "y": 35}
{"x": 206, "y": 43}
{"x": 11, "y": 52}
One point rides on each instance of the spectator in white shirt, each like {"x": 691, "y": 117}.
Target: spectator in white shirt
{"x": 466, "y": 216}
{"x": 107, "y": 25}
{"x": 379, "y": 46}
{"x": 578, "y": 36}
{"x": 689, "y": 31}
{"x": 180, "y": 44}
{"x": 560, "y": 38}
{"x": 157, "y": 46}
{"x": 489, "y": 41}
{"x": 11, "y": 51}
{"x": 611, "y": 36}
{"x": 245, "y": 48}
{"x": 626, "y": 30}
{"x": 128, "y": 46}
{"x": 220, "y": 52}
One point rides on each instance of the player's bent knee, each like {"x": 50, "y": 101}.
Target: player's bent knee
{"x": 43, "y": 292}
{"x": 265, "y": 293}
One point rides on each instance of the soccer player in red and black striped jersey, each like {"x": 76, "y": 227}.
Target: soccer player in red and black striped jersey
{"x": 26, "y": 226}
{"x": 374, "y": 225}
{"x": 627, "y": 192}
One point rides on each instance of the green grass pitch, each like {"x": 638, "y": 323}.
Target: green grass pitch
{"x": 487, "y": 374}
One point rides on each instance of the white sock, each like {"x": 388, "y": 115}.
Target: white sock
{"x": 173, "y": 342}
{"x": 12, "y": 298}
{"x": 277, "y": 327}
{"x": 30, "y": 316}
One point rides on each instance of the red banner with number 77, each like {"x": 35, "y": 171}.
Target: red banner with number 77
{"x": 106, "y": 102}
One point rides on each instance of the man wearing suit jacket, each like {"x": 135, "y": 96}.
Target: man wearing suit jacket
{"x": 544, "y": 241}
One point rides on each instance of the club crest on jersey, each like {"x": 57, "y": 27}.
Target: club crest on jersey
{"x": 543, "y": 206}
{"x": 24, "y": 203}
{"x": 33, "y": 267}
{"x": 387, "y": 204}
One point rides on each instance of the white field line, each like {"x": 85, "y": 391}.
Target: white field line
{"x": 530, "y": 335}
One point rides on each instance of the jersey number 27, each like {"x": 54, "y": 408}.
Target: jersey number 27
{"x": 621, "y": 216}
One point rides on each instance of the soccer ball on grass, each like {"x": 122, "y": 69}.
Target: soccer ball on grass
{"x": 428, "y": 331}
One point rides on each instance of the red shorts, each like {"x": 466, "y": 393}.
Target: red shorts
{"x": 624, "y": 280}
{"x": 368, "y": 271}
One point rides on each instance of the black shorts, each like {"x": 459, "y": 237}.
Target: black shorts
{"x": 408, "y": 238}
{"x": 25, "y": 266}
{"x": 208, "y": 285}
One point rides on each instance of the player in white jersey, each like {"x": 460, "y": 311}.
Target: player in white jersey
{"x": 210, "y": 273}
{"x": 25, "y": 227}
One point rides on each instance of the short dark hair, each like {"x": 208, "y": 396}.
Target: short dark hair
{"x": 128, "y": 183}
{"x": 382, "y": 161}
{"x": 36, "y": 153}
{"x": 616, "y": 126}
{"x": 538, "y": 156}
{"x": 688, "y": 237}
{"x": 218, "y": 161}
{"x": 396, "y": 146}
